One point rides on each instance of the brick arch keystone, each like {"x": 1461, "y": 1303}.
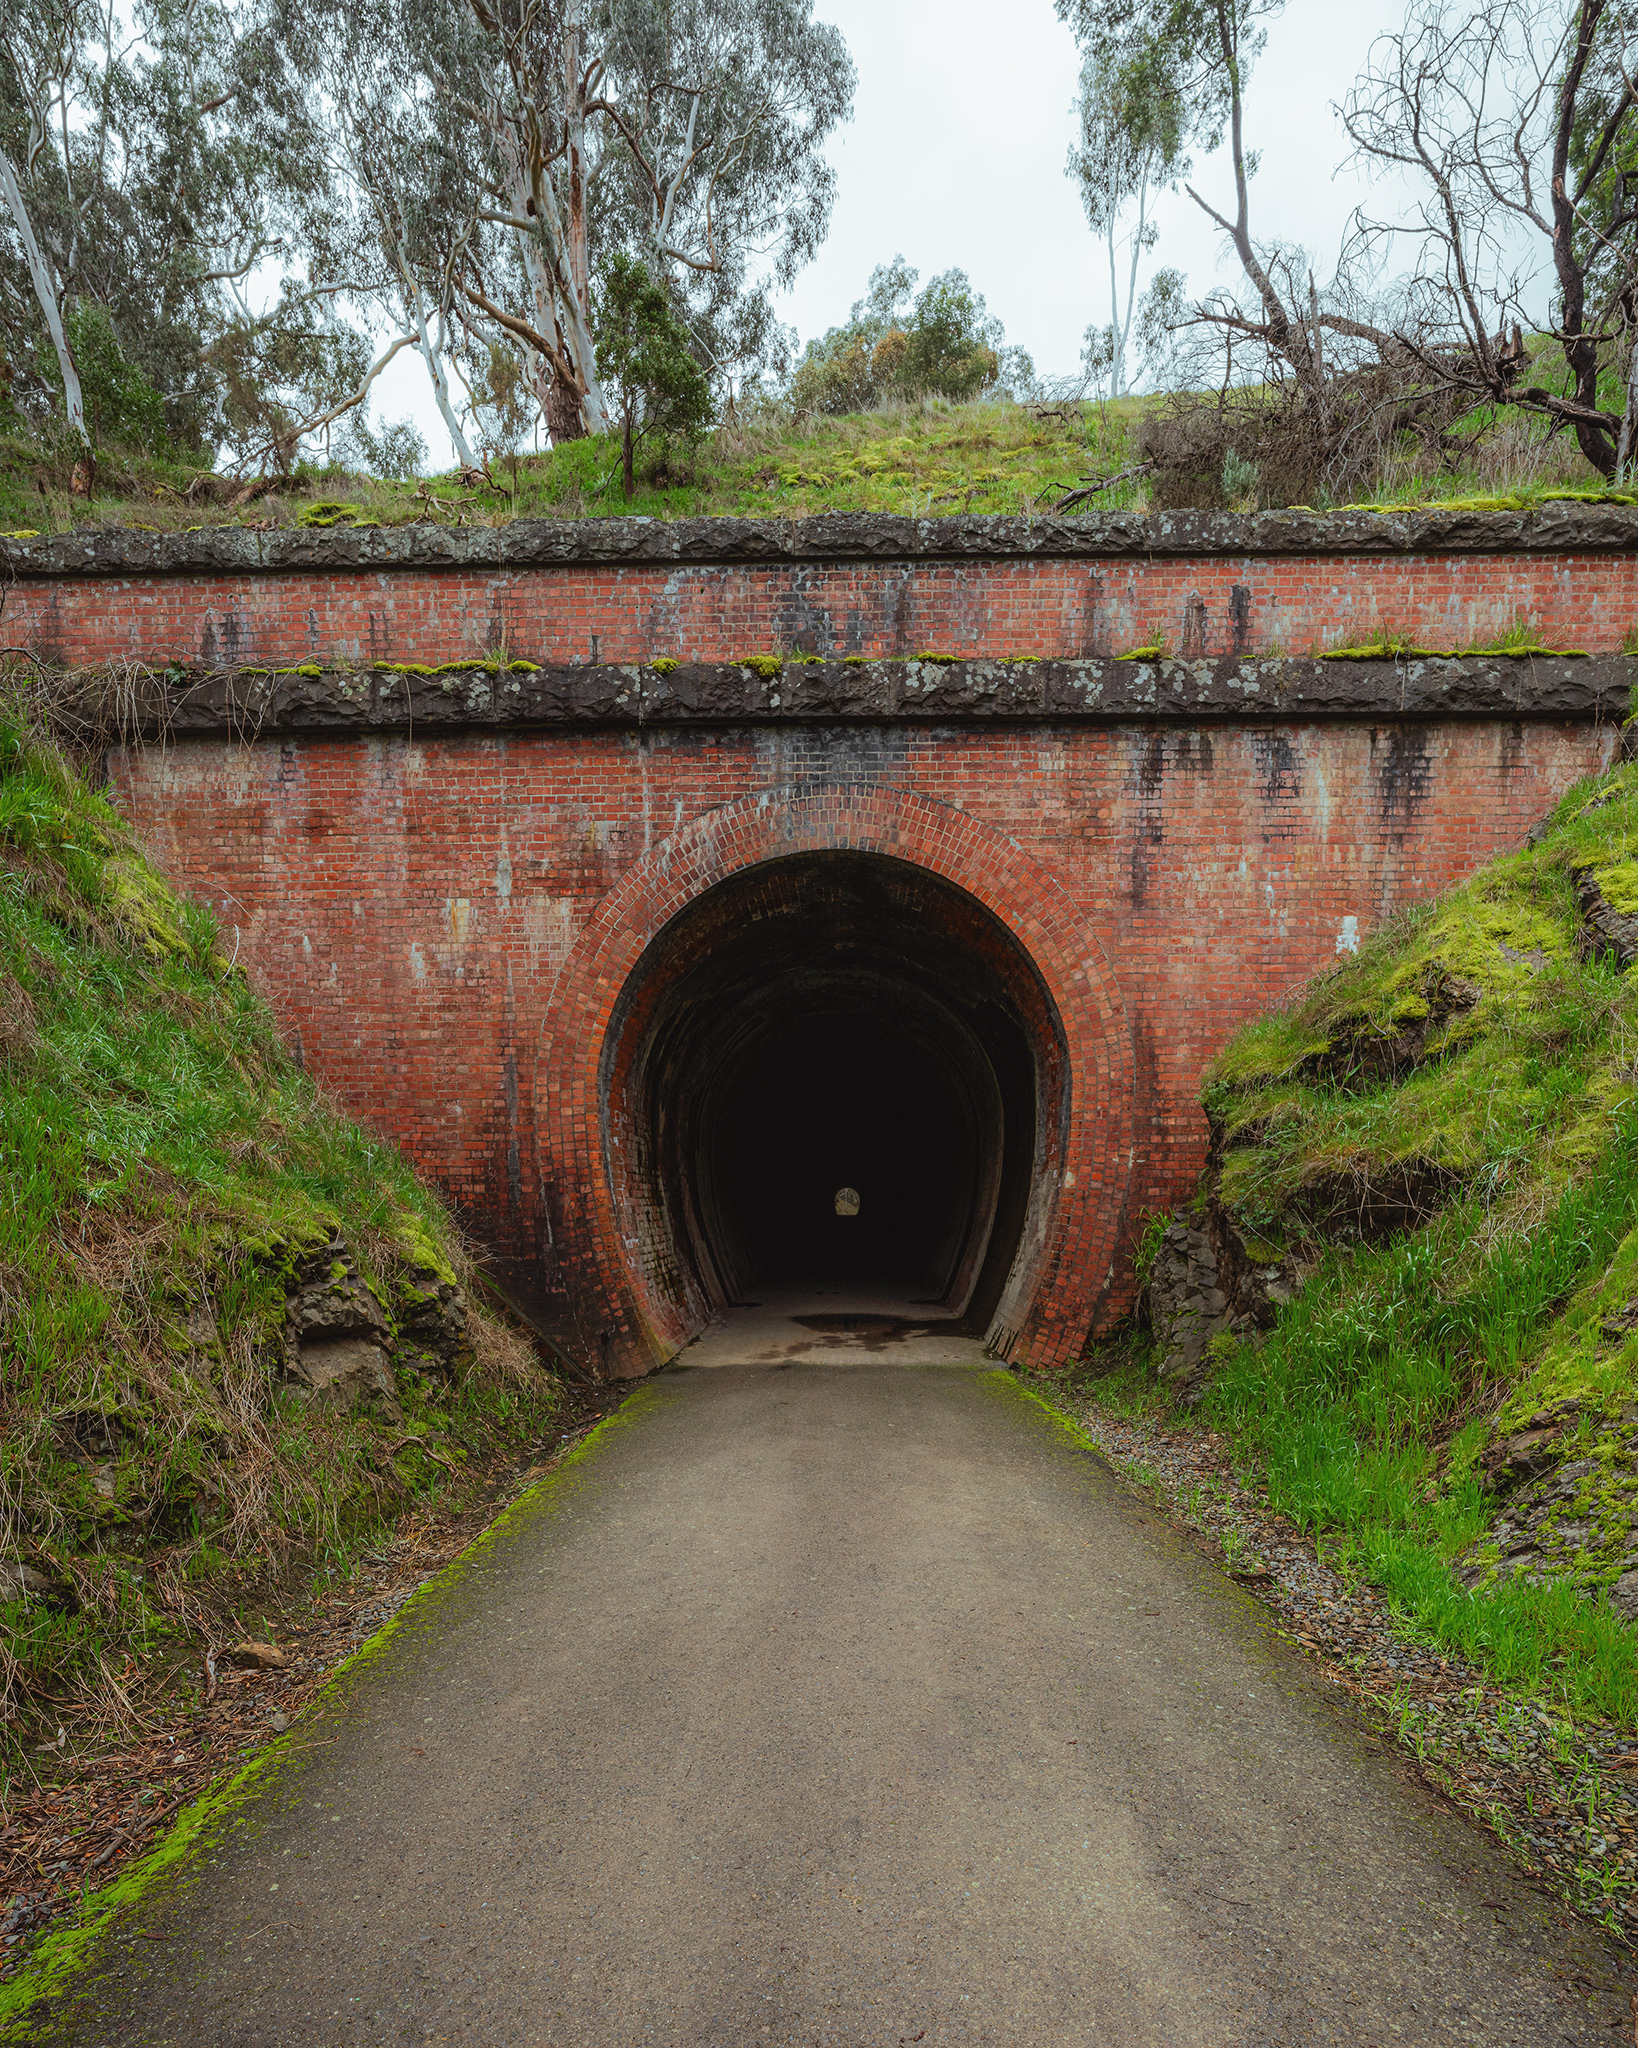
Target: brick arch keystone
{"x": 619, "y": 1327}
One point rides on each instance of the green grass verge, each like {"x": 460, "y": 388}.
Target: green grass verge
{"x": 166, "y": 1163}
{"x": 1441, "y": 1138}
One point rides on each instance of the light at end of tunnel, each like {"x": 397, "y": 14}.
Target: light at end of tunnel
{"x": 847, "y": 1201}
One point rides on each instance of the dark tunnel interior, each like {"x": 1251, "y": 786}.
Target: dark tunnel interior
{"x": 835, "y": 1070}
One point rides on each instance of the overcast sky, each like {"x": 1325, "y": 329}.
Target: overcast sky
{"x": 955, "y": 155}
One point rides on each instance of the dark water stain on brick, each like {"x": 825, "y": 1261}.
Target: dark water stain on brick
{"x": 1146, "y": 781}
{"x": 805, "y": 622}
{"x": 1094, "y": 635}
{"x": 1403, "y": 767}
{"x": 1239, "y": 618}
{"x": 1279, "y": 785}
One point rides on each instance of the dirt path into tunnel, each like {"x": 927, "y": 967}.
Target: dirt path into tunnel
{"x": 841, "y": 1703}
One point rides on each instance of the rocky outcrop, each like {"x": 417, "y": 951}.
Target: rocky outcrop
{"x": 1359, "y": 1055}
{"x": 1205, "y": 1284}
{"x": 345, "y": 1345}
{"x": 1567, "y": 1487}
{"x": 1604, "y": 929}
{"x": 432, "y": 1331}
{"x": 338, "y": 1335}
{"x": 1188, "y": 1307}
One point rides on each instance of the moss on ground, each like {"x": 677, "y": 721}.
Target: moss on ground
{"x": 926, "y": 460}
{"x": 168, "y": 1167}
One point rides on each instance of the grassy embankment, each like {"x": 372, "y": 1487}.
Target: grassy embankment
{"x": 1439, "y": 1138}
{"x": 165, "y": 1164}
{"x": 927, "y": 459}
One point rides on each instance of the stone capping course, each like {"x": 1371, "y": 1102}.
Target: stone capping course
{"x": 248, "y": 703}
{"x": 1552, "y": 528}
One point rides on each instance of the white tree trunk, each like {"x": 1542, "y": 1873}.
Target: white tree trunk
{"x": 1125, "y": 331}
{"x": 1117, "y": 334}
{"x": 45, "y": 291}
{"x": 557, "y": 304}
{"x": 434, "y": 362}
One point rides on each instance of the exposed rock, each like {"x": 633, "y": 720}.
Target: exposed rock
{"x": 1603, "y": 928}
{"x": 1616, "y": 1328}
{"x": 1563, "y": 1517}
{"x": 432, "y": 1325}
{"x": 1368, "y": 1202}
{"x": 342, "y": 1371}
{"x": 22, "y": 1582}
{"x": 1529, "y": 1452}
{"x": 330, "y": 1299}
{"x": 1187, "y": 1308}
{"x": 337, "y": 1335}
{"x": 1205, "y": 1283}
{"x": 1368, "y": 1056}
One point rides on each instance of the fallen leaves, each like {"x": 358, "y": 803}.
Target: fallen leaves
{"x": 259, "y": 1656}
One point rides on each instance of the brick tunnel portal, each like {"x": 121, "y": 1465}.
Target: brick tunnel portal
{"x": 826, "y": 1023}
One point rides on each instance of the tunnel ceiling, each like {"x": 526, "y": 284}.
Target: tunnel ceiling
{"x": 826, "y": 1021}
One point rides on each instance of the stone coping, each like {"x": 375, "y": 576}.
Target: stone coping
{"x": 248, "y": 703}
{"x": 831, "y": 537}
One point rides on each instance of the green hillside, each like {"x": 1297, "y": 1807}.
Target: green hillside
{"x": 236, "y": 1333}
{"x": 932, "y": 458}
{"x": 1423, "y": 1198}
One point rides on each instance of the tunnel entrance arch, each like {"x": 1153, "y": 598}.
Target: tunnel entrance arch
{"x": 833, "y": 1025}
{"x": 806, "y": 993}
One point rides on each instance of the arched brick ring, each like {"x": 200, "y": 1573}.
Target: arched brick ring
{"x": 619, "y": 1330}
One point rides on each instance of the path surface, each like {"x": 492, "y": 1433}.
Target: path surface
{"x": 843, "y": 1704}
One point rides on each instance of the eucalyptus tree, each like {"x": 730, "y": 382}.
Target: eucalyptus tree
{"x": 1130, "y": 148}
{"x": 687, "y": 132}
{"x": 1174, "y": 73}
{"x": 402, "y": 202}
{"x": 145, "y": 170}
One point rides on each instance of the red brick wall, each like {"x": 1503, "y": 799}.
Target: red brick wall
{"x": 1292, "y": 604}
{"x": 444, "y": 926}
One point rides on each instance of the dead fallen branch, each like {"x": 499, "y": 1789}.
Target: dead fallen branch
{"x": 1106, "y": 483}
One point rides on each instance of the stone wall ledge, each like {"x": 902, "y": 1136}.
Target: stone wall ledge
{"x": 1560, "y": 528}
{"x": 248, "y": 703}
